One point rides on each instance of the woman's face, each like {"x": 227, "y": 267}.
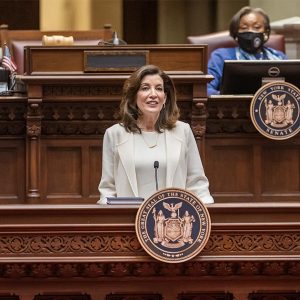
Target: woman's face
{"x": 254, "y": 22}
{"x": 151, "y": 96}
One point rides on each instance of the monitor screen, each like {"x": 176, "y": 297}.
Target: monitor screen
{"x": 247, "y": 76}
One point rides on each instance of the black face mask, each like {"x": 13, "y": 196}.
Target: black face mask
{"x": 250, "y": 41}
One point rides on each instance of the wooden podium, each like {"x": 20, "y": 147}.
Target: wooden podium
{"x": 55, "y": 149}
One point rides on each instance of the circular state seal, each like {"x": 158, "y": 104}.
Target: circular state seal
{"x": 274, "y": 110}
{"x": 173, "y": 225}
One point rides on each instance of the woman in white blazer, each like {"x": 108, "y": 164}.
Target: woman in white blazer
{"x": 149, "y": 131}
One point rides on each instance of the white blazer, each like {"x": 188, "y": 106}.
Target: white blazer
{"x": 184, "y": 166}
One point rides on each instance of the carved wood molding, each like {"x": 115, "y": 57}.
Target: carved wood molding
{"x": 107, "y": 92}
{"x": 229, "y": 116}
{"x": 34, "y": 116}
{"x": 90, "y": 241}
{"x": 68, "y": 244}
{"x": 149, "y": 269}
{"x": 75, "y": 91}
{"x": 14, "y": 128}
{"x": 12, "y": 118}
{"x": 80, "y": 112}
{"x": 232, "y": 245}
{"x": 67, "y": 117}
{"x": 78, "y": 119}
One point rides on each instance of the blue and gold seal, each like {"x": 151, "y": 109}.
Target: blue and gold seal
{"x": 173, "y": 225}
{"x": 275, "y": 110}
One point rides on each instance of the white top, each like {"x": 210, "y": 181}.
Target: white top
{"x": 148, "y": 148}
{"x": 184, "y": 168}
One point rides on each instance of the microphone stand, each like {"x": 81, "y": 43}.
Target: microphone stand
{"x": 156, "y": 165}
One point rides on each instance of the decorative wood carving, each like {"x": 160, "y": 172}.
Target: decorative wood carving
{"x": 267, "y": 270}
{"x": 242, "y": 244}
{"x": 78, "y": 119}
{"x": 227, "y": 115}
{"x": 12, "y": 118}
{"x": 74, "y": 91}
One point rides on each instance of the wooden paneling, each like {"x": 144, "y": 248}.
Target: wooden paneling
{"x": 12, "y": 150}
{"x": 241, "y": 164}
{"x": 70, "y": 60}
{"x": 12, "y": 171}
{"x": 235, "y": 165}
{"x": 72, "y": 170}
{"x": 280, "y": 169}
{"x": 63, "y": 166}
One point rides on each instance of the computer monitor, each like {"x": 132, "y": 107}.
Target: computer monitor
{"x": 247, "y": 76}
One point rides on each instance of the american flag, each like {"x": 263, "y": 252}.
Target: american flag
{"x": 7, "y": 61}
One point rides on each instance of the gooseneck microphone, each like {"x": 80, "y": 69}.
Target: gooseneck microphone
{"x": 156, "y": 166}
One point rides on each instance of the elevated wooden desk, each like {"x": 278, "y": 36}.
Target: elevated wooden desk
{"x": 71, "y": 60}
{"x": 57, "y": 156}
{"x": 88, "y": 249}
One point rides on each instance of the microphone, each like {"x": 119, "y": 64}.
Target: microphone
{"x": 115, "y": 41}
{"x": 156, "y": 165}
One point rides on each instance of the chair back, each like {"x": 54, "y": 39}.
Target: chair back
{"x": 222, "y": 39}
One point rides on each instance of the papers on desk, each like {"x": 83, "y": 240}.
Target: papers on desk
{"x": 124, "y": 200}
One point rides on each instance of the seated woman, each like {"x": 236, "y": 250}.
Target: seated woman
{"x": 250, "y": 27}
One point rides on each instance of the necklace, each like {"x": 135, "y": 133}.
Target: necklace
{"x": 150, "y": 139}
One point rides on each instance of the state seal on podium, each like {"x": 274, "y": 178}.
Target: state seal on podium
{"x": 275, "y": 110}
{"x": 173, "y": 225}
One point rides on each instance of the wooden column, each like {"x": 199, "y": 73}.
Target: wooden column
{"x": 33, "y": 129}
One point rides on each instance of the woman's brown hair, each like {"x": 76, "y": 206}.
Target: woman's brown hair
{"x": 128, "y": 108}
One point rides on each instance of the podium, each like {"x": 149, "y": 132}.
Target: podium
{"x": 62, "y": 122}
